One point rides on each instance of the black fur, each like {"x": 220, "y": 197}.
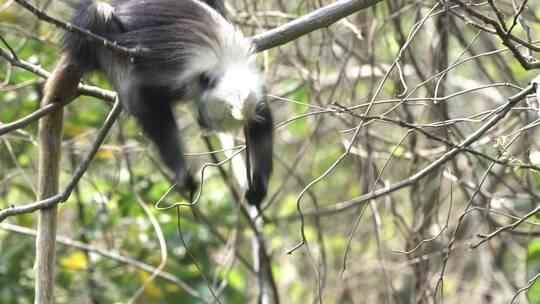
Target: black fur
{"x": 259, "y": 140}
{"x": 161, "y": 29}
{"x": 164, "y": 31}
{"x": 82, "y": 51}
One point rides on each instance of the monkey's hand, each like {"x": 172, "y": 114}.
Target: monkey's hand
{"x": 255, "y": 196}
{"x": 186, "y": 183}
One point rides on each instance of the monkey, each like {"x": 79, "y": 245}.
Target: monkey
{"x": 189, "y": 52}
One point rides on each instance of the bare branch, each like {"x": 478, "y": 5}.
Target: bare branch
{"x": 64, "y": 194}
{"x": 513, "y": 100}
{"x": 321, "y": 18}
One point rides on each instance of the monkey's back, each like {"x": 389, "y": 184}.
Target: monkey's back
{"x": 165, "y": 32}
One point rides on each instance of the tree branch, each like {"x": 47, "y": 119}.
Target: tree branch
{"x": 501, "y": 113}
{"x": 323, "y": 17}
{"x": 64, "y": 195}
{"x": 41, "y": 72}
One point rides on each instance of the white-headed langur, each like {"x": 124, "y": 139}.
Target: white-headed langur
{"x": 188, "y": 52}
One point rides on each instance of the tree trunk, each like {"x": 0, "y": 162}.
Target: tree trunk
{"x": 61, "y": 87}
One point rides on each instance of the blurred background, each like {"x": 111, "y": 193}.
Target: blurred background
{"x": 366, "y": 104}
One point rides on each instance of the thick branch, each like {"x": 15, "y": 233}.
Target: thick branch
{"x": 323, "y": 17}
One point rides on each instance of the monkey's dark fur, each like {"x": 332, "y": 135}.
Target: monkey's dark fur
{"x": 188, "y": 52}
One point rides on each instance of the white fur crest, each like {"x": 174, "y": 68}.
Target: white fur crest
{"x": 105, "y": 10}
{"x": 228, "y": 57}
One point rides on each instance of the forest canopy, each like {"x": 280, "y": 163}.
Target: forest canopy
{"x": 406, "y": 164}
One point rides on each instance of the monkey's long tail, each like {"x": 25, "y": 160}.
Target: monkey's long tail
{"x": 99, "y": 18}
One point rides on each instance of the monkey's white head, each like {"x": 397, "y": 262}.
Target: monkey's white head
{"x": 228, "y": 83}
{"x": 228, "y": 96}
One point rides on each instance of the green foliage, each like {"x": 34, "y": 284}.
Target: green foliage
{"x": 105, "y": 209}
{"x": 533, "y": 268}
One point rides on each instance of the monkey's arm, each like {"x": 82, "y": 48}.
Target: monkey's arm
{"x": 157, "y": 121}
{"x": 260, "y": 141}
